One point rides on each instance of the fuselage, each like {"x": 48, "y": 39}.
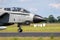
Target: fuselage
{"x": 13, "y": 15}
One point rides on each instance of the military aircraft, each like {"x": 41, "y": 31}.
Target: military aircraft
{"x": 10, "y": 16}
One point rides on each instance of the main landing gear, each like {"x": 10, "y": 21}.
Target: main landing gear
{"x": 19, "y": 27}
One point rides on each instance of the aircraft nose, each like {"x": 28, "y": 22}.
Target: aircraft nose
{"x": 38, "y": 19}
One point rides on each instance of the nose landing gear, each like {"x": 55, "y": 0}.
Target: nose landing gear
{"x": 19, "y": 27}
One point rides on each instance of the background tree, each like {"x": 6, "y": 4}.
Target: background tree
{"x": 51, "y": 19}
{"x": 58, "y": 19}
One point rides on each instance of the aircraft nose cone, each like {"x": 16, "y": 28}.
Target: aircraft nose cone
{"x": 38, "y": 19}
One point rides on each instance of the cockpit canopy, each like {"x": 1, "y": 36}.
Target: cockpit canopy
{"x": 16, "y": 9}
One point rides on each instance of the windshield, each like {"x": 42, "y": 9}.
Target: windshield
{"x": 25, "y": 11}
{"x": 19, "y": 10}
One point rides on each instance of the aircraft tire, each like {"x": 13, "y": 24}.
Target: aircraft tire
{"x": 20, "y": 30}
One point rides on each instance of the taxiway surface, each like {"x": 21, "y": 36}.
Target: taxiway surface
{"x": 30, "y": 34}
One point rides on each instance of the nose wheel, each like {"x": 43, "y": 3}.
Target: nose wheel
{"x": 19, "y": 28}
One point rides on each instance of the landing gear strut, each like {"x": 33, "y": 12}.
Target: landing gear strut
{"x": 19, "y": 26}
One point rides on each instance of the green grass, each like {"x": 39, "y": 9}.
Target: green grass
{"x": 53, "y": 27}
{"x": 29, "y": 38}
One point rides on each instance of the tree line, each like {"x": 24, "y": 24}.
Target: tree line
{"x": 52, "y": 19}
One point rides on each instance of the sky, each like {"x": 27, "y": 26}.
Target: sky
{"x": 41, "y": 7}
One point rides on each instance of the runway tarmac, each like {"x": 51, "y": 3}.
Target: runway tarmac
{"x": 30, "y": 34}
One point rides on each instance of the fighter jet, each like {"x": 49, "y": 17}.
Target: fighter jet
{"x": 10, "y": 16}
